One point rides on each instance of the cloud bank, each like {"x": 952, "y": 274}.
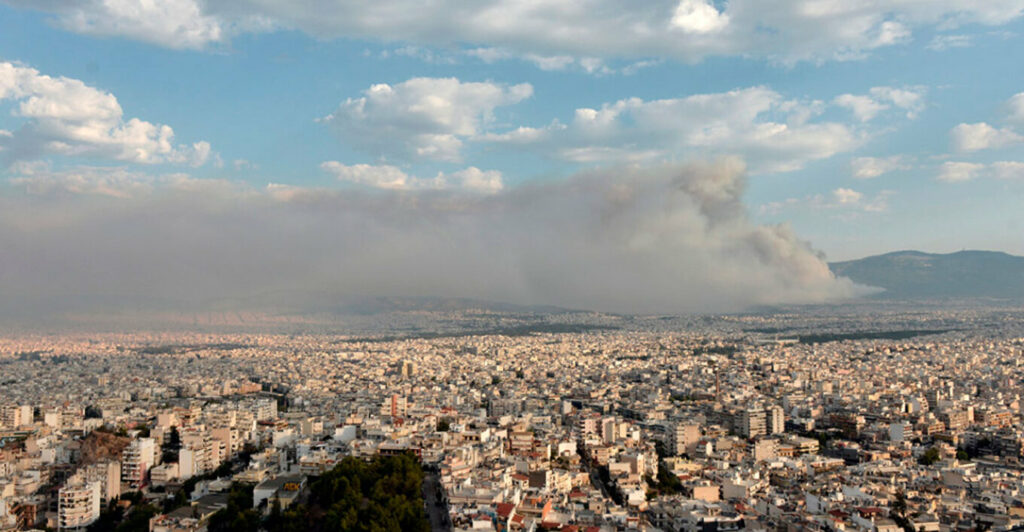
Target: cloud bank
{"x": 661, "y": 240}
{"x": 688, "y": 30}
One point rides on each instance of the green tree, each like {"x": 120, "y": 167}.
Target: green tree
{"x": 929, "y": 457}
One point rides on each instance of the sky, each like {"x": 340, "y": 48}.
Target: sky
{"x": 663, "y": 156}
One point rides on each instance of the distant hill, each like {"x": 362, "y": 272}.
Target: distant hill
{"x": 917, "y": 275}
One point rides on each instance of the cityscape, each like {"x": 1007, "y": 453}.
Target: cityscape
{"x": 511, "y": 266}
{"x": 797, "y": 420}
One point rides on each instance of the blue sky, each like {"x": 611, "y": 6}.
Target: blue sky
{"x": 862, "y": 129}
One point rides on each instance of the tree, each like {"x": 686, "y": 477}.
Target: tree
{"x": 929, "y": 457}
{"x": 899, "y": 512}
{"x": 384, "y": 494}
{"x": 444, "y": 425}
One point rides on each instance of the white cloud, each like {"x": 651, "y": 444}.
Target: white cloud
{"x": 243, "y": 164}
{"x": 37, "y": 178}
{"x": 1008, "y": 170}
{"x": 550, "y": 62}
{"x": 688, "y": 30}
{"x": 847, "y": 196}
{"x": 863, "y": 107}
{"x": 168, "y": 23}
{"x": 982, "y": 136}
{"x": 471, "y": 179}
{"x": 590, "y": 65}
{"x": 944, "y": 42}
{"x": 867, "y": 106}
{"x": 65, "y": 116}
{"x": 698, "y": 16}
{"x": 773, "y": 133}
{"x": 490, "y": 55}
{"x": 956, "y": 172}
{"x": 872, "y": 167}
{"x": 382, "y": 176}
{"x": 1015, "y": 107}
{"x": 426, "y": 55}
{"x": 843, "y": 201}
{"x": 475, "y": 179}
{"x": 422, "y": 118}
{"x": 910, "y": 100}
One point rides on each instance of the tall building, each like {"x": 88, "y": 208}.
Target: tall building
{"x": 752, "y": 423}
{"x": 189, "y": 461}
{"x": 776, "y": 420}
{"x": 14, "y": 416}
{"x": 136, "y": 459}
{"x": 78, "y": 504}
{"x": 265, "y": 409}
{"x": 108, "y": 475}
{"x": 685, "y": 438}
{"x": 608, "y": 430}
{"x": 396, "y": 406}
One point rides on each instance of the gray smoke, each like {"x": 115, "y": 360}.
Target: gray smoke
{"x": 670, "y": 239}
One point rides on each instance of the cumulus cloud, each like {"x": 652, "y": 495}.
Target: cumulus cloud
{"x": 391, "y": 177}
{"x": 846, "y": 196}
{"x": 956, "y": 171}
{"x": 867, "y": 106}
{"x": 688, "y": 30}
{"x": 662, "y": 239}
{"x": 698, "y": 16}
{"x": 872, "y": 167}
{"x": 422, "y": 118}
{"x": 178, "y": 24}
{"x": 773, "y": 133}
{"x": 863, "y": 107}
{"x": 982, "y": 136}
{"x": 67, "y": 117}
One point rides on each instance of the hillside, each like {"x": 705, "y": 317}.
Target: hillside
{"x": 918, "y": 275}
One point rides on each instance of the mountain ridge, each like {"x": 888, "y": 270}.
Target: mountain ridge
{"x": 913, "y": 274}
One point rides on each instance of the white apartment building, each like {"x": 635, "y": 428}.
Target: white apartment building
{"x": 14, "y": 416}
{"x": 108, "y": 475}
{"x": 752, "y": 423}
{"x": 78, "y": 504}
{"x": 685, "y": 438}
{"x": 136, "y": 460}
{"x": 776, "y": 420}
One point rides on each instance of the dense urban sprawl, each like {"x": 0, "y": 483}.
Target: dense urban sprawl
{"x": 726, "y": 423}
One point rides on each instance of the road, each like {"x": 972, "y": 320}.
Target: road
{"x": 595, "y": 479}
{"x": 436, "y": 510}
